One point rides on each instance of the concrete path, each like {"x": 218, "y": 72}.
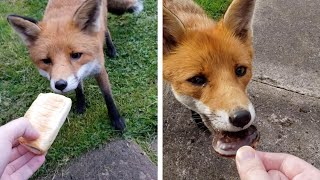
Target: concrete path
{"x": 285, "y": 91}
{"x": 287, "y": 43}
{"x": 118, "y": 159}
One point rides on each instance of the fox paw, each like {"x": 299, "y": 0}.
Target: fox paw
{"x": 136, "y": 8}
{"x": 80, "y": 109}
{"x": 119, "y": 124}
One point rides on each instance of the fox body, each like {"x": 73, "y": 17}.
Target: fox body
{"x": 208, "y": 64}
{"x": 67, "y": 45}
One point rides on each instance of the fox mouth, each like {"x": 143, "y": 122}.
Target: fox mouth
{"x": 227, "y": 143}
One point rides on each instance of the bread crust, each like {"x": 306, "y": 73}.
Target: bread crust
{"x": 46, "y": 114}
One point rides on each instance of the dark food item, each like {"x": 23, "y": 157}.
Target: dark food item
{"x": 227, "y": 143}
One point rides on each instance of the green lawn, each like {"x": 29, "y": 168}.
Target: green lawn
{"x": 214, "y": 8}
{"x": 133, "y": 76}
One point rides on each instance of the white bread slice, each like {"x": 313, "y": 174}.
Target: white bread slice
{"x": 46, "y": 114}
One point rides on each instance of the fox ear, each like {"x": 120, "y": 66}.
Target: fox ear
{"x": 87, "y": 16}
{"x": 173, "y": 30}
{"x": 26, "y": 28}
{"x": 238, "y": 18}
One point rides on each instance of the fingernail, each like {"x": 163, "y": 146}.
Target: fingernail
{"x": 245, "y": 153}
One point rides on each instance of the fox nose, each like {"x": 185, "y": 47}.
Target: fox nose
{"x": 61, "y": 84}
{"x": 240, "y": 118}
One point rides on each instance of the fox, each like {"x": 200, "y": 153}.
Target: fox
{"x": 207, "y": 64}
{"x": 66, "y": 46}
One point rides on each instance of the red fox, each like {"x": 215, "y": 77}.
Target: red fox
{"x": 67, "y": 45}
{"x": 208, "y": 64}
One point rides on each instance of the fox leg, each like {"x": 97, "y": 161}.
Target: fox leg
{"x": 111, "y": 50}
{"x": 80, "y": 99}
{"x": 103, "y": 81}
{"x": 198, "y": 120}
{"x": 119, "y": 7}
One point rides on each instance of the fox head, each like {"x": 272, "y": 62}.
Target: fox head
{"x": 209, "y": 68}
{"x": 67, "y": 48}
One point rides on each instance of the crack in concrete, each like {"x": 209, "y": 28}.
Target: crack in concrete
{"x": 283, "y": 88}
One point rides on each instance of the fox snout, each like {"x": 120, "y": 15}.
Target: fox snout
{"x": 64, "y": 78}
{"x": 60, "y": 81}
{"x": 229, "y": 114}
{"x": 240, "y": 118}
{"x": 61, "y": 84}
{"x": 230, "y": 120}
{"x": 64, "y": 85}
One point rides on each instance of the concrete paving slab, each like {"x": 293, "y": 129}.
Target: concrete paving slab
{"x": 118, "y": 159}
{"x": 287, "y": 45}
{"x": 288, "y": 122}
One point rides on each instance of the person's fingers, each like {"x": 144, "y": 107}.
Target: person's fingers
{"x": 17, "y": 152}
{"x": 249, "y": 165}
{"x": 18, "y": 163}
{"x": 17, "y": 128}
{"x": 288, "y": 164}
{"x": 272, "y": 160}
{"x": 310, "y": 174}
{"x": 15, "y": 143}
{"x": 9, "y": 133}
{"x": 28, "y": 169}
{"x": 277, "y": 175}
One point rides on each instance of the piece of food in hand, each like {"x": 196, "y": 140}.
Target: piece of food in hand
{"x": 227, "y": 143}
{"x": 46, "y": 114}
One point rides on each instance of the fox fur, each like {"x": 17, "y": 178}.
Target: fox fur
{"x": 201, "y": 59}
{"x": 66, "y": 46}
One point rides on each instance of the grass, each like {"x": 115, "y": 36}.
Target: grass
{"x": 133, "y": 75}
{"x": 214, "y": 8}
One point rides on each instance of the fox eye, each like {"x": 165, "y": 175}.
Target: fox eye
{"x": 75, "y": 55}
{"x": 46, "y": 61}
{"x": 198, "y": 80}
{"x": 240, "y": 71}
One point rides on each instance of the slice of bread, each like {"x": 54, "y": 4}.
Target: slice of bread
{"x": 46, "y": 114}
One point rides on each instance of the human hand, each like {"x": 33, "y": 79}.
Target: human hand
{"x": 254, "y": 165}
{"x": 16, "y": 162}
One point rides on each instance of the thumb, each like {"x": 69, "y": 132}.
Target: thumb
{"x": 249, "y": 165}
{"x": 17, "y": 128}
